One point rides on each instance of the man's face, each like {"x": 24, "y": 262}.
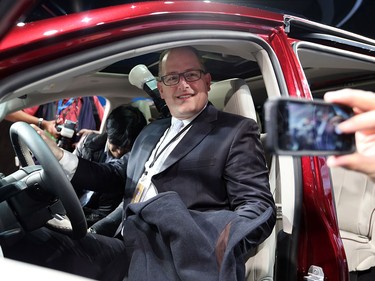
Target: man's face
{"x": 184, "y": 99}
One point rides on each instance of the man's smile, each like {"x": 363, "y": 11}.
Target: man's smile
{"x": 185, "y": 96}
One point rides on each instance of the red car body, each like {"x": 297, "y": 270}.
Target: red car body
{"x": 40, "y": 42}
{"x": 30, "y": 43}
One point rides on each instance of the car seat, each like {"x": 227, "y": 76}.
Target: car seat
{"x": 354, "y": 194}
{"x": 234, "y": 96}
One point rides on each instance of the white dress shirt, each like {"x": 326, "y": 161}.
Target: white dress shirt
{"x": 69, "y": 163}
{"x": 161, "y": 151}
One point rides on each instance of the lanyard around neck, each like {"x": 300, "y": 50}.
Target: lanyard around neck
{"x": 157, "y": 153}
{"x": 61, "y": 106}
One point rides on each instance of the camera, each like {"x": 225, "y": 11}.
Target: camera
{"x": 299, "y": 127}
{"x": 67, "y": 135}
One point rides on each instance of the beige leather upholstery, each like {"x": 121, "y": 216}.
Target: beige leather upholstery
{"x": 355, "y": 203}
{"x": 234, "y": 96}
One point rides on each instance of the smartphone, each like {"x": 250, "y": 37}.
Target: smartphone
{"x": 300, "y": 127}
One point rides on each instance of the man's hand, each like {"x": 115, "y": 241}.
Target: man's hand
{"x": 84, "y": 132}
{"x": 50, "y": 127}
{"x": 57, "y": 151}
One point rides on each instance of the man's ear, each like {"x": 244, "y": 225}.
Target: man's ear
{"x": 208, "y": 81}
{"x": 160, "y": 88}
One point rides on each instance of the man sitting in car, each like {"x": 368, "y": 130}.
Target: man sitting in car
{"x": 197, "y": 198}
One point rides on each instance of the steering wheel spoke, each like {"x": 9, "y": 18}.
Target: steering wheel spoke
{"x": 53, "y": 179}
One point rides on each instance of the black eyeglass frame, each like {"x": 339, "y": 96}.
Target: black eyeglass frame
{"x": 201, "y": 71}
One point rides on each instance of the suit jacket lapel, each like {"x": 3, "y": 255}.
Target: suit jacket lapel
{"x": 201, "y": 127}
{"x": 149, "y": 144}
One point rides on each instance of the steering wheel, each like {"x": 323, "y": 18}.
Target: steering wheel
{"x": 25, "y": 139}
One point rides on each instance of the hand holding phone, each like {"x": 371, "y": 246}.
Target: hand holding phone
{"x": 300, "y": 127}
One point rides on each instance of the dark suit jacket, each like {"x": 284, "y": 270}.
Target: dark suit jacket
{"x": 203, "y": 246}
{"x": 218, "y": 165}
{"x": 100, "y": 177}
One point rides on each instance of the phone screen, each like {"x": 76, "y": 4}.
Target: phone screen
{"x": 310, "y": 127}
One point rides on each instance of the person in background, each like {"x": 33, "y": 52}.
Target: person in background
{"x": 362, "y": 124}
{"x": 197, "y": 198}
{"x": 122, "y": 127}
{"x": 86, "y": 112}
{"x": 42, "y": 122}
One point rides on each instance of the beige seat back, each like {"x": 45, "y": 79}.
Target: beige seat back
{"x": 355, "y": 204}
{"x": 234, "y": 96}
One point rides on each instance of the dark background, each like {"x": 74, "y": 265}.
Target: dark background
{"x": 352, "y": 15}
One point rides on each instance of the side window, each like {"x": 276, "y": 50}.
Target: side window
{"x": 329, "y": 69}
{"x": 63, "y": 119}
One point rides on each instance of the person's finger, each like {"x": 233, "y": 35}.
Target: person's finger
{"x": 364, "y": 101}
{"x": 82, "y": 131}
{"x": 38, "y": 130}
{"x": 360, "y": 122}
{"x": 355, "y": 161}
{"x": 57, "y": 151}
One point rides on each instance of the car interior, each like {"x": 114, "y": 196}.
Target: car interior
{"x": 245, "y": 74}
{"x": 232, "y": 95}
{"x": 329, "y": 69}
{"x": 355, "y": 211}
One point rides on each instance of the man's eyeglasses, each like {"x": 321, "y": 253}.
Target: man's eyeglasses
{"x": 189, "y": 76}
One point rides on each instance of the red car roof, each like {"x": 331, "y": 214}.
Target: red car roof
{"x": 42, "y": 40}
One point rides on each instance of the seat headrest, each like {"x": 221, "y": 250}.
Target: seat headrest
{"x": 234, "y": 96}
{"x": 354, "y": 196}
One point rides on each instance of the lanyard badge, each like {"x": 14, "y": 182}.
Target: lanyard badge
{"x": 140, "y": 189}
